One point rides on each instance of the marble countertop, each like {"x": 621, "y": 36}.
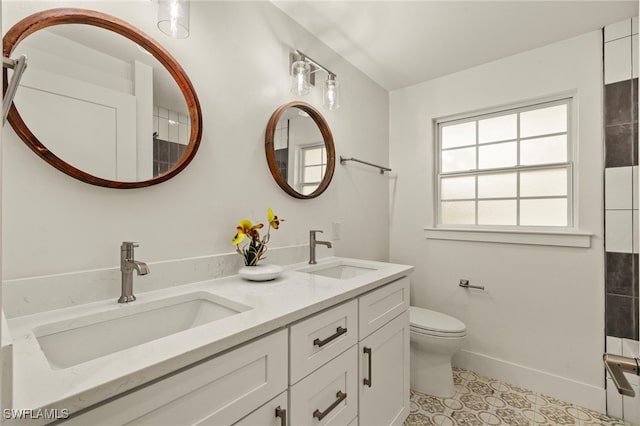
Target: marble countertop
{"x": 274, "y": 305}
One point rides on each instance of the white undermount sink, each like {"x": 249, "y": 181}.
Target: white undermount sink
{"x": 74, "y": 341}
{"x": 339, "y": 269}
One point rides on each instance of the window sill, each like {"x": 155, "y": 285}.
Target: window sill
{"x": 540, "y": 238}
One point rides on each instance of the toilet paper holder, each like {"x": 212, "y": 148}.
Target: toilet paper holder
{"x": 465, "y": 284}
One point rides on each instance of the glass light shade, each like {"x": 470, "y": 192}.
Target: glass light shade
{"x": 300, "y": 71}
{"x": 331, "y": 93}
{"x": 173, "y": 18}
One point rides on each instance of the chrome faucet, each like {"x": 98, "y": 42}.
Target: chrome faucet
{"x": 312, "y": 245}
{"x": 127, "y": 265}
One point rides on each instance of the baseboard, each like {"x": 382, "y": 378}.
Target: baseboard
{"x": 558, "y": 387}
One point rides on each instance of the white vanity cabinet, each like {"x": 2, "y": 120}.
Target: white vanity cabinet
{"x": 343, "y": 366}
{"x": 383, "y": 382}
{"x": 218, "y": 391}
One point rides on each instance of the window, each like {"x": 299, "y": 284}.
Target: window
{"x": 313, "y": 165}
{"x": 511, "y": 168}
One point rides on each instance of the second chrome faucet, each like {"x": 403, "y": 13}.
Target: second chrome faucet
{"x": 313, "y": 242}
{"x": 127, "y": 265}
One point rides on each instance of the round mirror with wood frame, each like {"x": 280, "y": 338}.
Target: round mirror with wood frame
{"x": 60, "y": 16}
{"x": 302, "y": 168}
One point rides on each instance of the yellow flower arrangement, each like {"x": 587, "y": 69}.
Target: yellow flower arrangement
{"x": 254, "y": 247}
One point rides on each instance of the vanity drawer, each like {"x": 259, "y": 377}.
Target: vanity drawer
{"x": 316, "y": 340}
{"x": 329, "y": 396}
{"x": 380, "y": 306}
{"x": 219, "y": 391}
{"x": 273, "y": 413}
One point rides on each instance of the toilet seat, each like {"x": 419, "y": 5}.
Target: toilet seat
{"x": 432, "y": 323}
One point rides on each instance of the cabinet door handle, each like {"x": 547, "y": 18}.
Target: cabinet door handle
{"x": 321, "y": 414}
{"x": 368, "y": 380}
{"x": 339, "y": 332}
{"x": 282, "y": 413}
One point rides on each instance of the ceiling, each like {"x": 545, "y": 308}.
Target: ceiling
{"x": 401, "y": 43}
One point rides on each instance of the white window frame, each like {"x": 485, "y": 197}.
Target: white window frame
{"x": 302, "y": 165}
{"x": 518, "y": 234}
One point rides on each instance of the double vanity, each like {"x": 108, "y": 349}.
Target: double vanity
{"x": 322, "y": 344}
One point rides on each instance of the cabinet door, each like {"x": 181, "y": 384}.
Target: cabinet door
{"x": 218, "y": 391}
{"x": 380, "y": 306}
{"x": 328, "y": 396}
{"x": 273, "y": 413}
{"x": 384, "y": 374}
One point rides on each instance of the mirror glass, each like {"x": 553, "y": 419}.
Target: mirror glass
{"x": 100, "y": 100}
{"x": 101, "y": 103}
{"x": 300, "y": 150}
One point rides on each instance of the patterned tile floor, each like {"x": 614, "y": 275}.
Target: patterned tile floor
{"x": 483, "y": 401}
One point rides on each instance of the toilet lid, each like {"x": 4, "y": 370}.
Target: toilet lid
{"x": 425, "y": 319}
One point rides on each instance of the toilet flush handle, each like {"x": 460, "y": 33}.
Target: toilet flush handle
{"x": 465, "y": 284}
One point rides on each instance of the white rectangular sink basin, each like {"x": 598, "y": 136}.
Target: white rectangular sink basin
{"x": 74, "y": 341}
{"x": 340, "y": 269}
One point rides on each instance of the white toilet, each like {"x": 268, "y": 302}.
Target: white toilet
{"x": 435, "y": 337}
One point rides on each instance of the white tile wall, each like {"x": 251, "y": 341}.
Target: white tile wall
{"x": 618, "y": 230}
{"x": 184, "y": 134}
{"x": 618, "y": 188}
{"x": 631, "y": 348}
{"x": 631, "y": 407}
{"x": 163, "y": 128}
{"x": 171, "y": 126}
{"x": 617, "y": 30}
{"x": 174, "y": 132}
{"x": 614, "y": 345}
{"x": 617, "y": 60}
{"x": 621, "y": 63}
{"x": 635, "y": 191}
{"x": 635, "y": 231}
{"x": 614, "y": 400}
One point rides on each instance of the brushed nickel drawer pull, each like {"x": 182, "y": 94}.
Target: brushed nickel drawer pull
{"x": 368, "y": 380}
{"x": 321, "y": 414}
{"x": 339, "y": 332}
{"x": 282, "y": 413}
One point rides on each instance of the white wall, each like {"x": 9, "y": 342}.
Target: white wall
{"x": 237, "y": 59}
{"x": 539, "y": 324}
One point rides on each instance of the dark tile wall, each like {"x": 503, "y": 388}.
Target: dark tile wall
{"x": 621, "y": 150}
{"x": 621, "y": 138}
{"x": 282, "y": 159}
{"x": 622, "y": 295}
{"x": 165, "y": 155}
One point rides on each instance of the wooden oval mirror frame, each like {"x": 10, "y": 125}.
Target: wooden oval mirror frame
{"x": 323, "y": 126}
{"x": 60, "y": 16}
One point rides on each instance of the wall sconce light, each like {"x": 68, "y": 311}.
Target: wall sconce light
{"x": 303, "y": 70}
{"x": 173, "y": 18}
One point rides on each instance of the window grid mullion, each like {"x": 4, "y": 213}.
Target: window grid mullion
{"x": 518, "y": 173}
{"x": 505, "y": 170}
{"x": 477, "y": 167}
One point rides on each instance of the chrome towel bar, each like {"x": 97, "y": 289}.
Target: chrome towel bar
{"x": 382, "y": 168}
